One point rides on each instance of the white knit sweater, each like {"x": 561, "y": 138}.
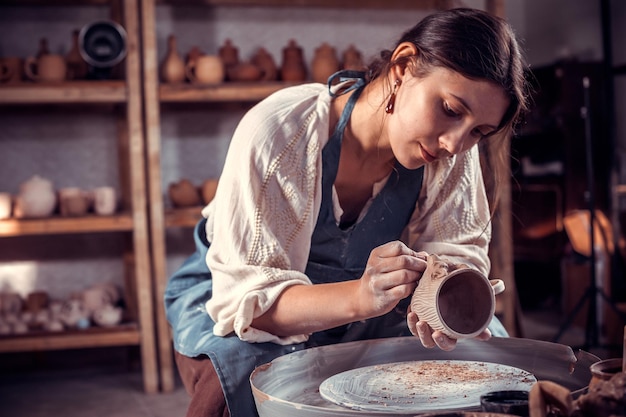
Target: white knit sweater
{"x": 265, "y": 209}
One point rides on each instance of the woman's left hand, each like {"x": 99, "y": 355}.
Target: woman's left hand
{"x": 430, "y": 338}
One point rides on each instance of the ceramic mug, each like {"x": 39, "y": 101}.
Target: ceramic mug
{"x": 104, "y": 201}
{"x": 10, "y": 70}
{"x": 73, "y": 202}
{"x": 48, "y": 67}
{"x": 454, "y": 299}
{"x": 206, "y": 69}
{"x": 5, "y": 205}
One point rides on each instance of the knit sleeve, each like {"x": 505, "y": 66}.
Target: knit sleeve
{"x": 452, "y": 216}
{"x": 265, "y": 210}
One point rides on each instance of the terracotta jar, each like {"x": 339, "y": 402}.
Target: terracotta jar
{"x": 229, "y": 53}
{"x": 76, "y": 66}
{"x": 352, "y": 59}
{"x": 184, "y": 194}
{"x": 173, "y": 66}
{"x": 264, "y": 61}
{"x": 293, "y": 67}
{"x": 11, "y": 68}
{"x": 325, "y": 63}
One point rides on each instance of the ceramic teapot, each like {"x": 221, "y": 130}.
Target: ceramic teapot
{"x": 36, "y": 198}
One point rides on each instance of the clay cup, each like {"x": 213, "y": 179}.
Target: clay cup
{"x": 46, "y": 68}
{"x": 104, "y": 200}
{"x": 10, "y": 70}
{"x": 206, "y": 69}
{"x": 73, "y": 202}
{"x": 457, "y": 300}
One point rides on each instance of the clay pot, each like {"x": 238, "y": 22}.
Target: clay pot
{"x": 604, "y": 370}
{"x": 11, "y": 68}
{"x": 193, "y": 54}
{"x": 76, "y": 66}
{"x": 184, "y": 194}
{"x": 73, "y": 202}
{"x": 244, "y": 71}
{"x": 43, "y": 48}
{"x": 454, "y": 299}
{"x": 172, "y": 66}
{"x": 206, "y": 69}
{"x": 6, "y": 204}
{"x": 36, "y": 198}
{"x": 229, "y": 54}
{"x": 325, "y": 63}
{"x": 293, "y": 68}
{"x": 208, "y": 190}
{"x": 46, "y": 68}
{"x": 264, "y": 61}
{"x": 352, "y": 59}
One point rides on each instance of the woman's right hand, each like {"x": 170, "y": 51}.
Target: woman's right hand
{"x": 391, "y": 274}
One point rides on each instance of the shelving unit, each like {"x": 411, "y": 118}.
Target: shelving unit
{"x": 124, "y": 96}
{"x": 156, "y": 94}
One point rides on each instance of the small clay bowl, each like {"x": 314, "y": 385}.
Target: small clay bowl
{"x": 604, "y": 370}
{"x": 506, "y": 402}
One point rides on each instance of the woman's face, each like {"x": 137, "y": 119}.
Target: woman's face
{"x": 442, "y": 114}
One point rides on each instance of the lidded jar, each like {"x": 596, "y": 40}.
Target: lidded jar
{"x": 325, "y": 63}
{"x": 293, "y": 67}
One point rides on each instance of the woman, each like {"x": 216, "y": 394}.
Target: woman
{"x": 329, "y": 203}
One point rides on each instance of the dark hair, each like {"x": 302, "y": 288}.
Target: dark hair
{"x": 476, "y": 44}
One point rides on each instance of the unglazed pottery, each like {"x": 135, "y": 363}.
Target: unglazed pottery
{"x": 206, "y": 69}
{"x": 352, "y": 59}
{"x": 265, "y": 62}
{"x": 209, "y": 187}
{"x": 46, "y": 68}
{"x": 73, "y": 202}
{"x": 229, "y": 54}
{"x": 244, "y": 71}
{"x": 6, "y": 203}
{"x": 457, "y": 300}
{"x": 604, "y": 370}
{"x": 184, "y": 194}
{"x": 77, "y": 67}
{"x": 325, "y": 63}
{"x": 36, "y": 198}
{"x": 104, "y": 200}
{"x": 11, "y": 70}
{"x": 293, "y": 67}
{"x": 173, "y": 66}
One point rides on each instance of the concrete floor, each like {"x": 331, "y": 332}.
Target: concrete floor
{"x": 107, "y": 383}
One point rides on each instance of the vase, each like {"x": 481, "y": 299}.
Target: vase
{"x": 173, "y": 66}
{"x": 76, "y": 66}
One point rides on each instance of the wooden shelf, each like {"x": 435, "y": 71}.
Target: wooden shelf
{"x": 59, "y": 225}
{"x": 184, "y": 217}
{"x": 349, "y": 4}
{"x": 64, "y": 92}
{"x": 122, "y": 335}
{"x": 225, "y": 92}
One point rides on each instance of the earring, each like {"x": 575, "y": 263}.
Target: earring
{"x": 392, "y": 99}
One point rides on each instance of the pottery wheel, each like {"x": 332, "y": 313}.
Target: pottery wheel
{"x": 420, "y": 386}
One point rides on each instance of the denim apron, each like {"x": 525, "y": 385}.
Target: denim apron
{"x": 336, "y": 254}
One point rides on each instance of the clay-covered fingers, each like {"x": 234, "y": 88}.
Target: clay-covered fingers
{"x": 430, "y": 338}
